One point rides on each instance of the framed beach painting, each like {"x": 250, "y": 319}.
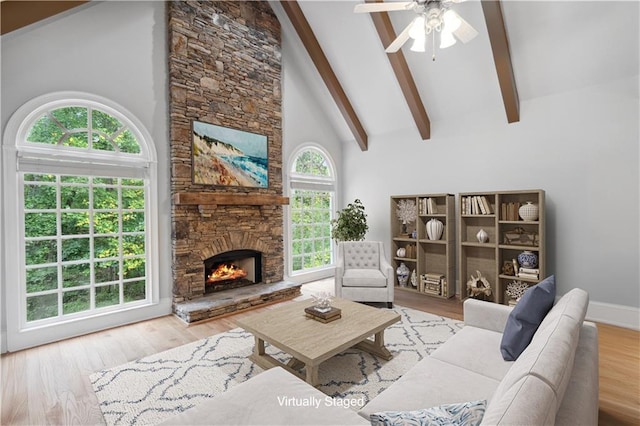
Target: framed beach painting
{"x": 224, "y": 156}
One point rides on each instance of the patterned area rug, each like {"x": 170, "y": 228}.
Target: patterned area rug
{"x": 151, "y": 389}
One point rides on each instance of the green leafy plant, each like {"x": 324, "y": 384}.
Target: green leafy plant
{"x": 351, "y": 224}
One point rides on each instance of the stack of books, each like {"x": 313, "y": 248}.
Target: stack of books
{"x": 432, "y": 283}
{"x": 529, "y": 273}
{"x": 324, "y": 317}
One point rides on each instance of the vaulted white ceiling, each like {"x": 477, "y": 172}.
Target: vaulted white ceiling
{"x": 555, "y": 46}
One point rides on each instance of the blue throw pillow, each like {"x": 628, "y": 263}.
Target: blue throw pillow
{"x": 526, "y": 317}
{"x": 462, "y": 414}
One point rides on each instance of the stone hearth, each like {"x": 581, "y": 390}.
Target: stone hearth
{"x": 234, "y": 300}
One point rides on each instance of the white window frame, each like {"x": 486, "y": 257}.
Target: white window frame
{"x": 306, "y": 182}
{"x": 20, "y": 156}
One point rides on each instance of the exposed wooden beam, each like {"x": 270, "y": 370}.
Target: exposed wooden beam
{"x": 500, "y": 46}
{"x": 18, "y": 14}
{"x": 398, "y": 62}
{"x": 302, "y": 27}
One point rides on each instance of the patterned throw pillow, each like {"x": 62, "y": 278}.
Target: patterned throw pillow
{"x": 463, "y": 414}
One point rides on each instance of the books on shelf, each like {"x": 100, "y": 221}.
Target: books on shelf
{"x": 433, "y": 283}
{"x": 509, "y": 211}
{"x": 427, "y": 206}
{"x": 533, "y": 273}
{"x": 410, "y": 251}
{"x": 476, "y": 204}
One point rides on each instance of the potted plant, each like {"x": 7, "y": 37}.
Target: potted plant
{"x": 351, "y": 224}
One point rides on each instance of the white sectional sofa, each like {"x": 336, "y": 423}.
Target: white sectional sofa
{"x": 554, "y": 381}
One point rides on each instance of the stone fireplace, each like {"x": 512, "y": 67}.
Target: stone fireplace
{"x": 225, "y": 69}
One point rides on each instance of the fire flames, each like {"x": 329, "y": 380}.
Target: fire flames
{"x": 226, "y": 271}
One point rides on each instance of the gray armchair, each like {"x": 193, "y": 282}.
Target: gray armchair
{"x": 363, "y": 274}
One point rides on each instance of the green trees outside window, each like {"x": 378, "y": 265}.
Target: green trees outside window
{"x": 311, "y": 205}
{"x": 84, "y": 243}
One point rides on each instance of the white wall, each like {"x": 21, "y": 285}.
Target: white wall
{"x": 304, "y": 123}
{"x": 112, "y": 49}
{"x": 581, "y": 147}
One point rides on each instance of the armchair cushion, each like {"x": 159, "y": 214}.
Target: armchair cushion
{"x": 363, "y": 278}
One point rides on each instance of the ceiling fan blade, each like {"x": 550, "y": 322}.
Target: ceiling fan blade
{"x": 400, "y": 40}
{"x": 382, "y": 7}
{"x": 465, "y": 33}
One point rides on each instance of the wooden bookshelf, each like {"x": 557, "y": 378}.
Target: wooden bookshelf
{"x": 424, "y": 255}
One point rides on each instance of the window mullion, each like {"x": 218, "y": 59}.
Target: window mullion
{"x": 59, "y": 245}
{"x": 120, "y": 240}
{"x": 92, "y": 260}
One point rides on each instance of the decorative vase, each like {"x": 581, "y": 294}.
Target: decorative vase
{"x": 414, "y": 279}
{"x": 482, "y": 236}
{"x": 528, "y": 259}
{"x": 404, "y": 228}
{"x": 529, "y": 211}
{"x": 401, "y": 252}
{"x": 403, "y": 274}
{"x": 434, "y": 229}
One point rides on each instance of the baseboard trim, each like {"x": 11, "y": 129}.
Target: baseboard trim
{"x": 618, "y": 315}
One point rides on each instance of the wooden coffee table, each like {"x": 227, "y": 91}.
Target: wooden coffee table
{"x": 312, "y": 342}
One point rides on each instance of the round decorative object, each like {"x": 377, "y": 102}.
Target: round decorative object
{"x": 401, "y": 252}
{"x": 482, "y": 236}
{"x": 403, "y": 274}
{"x": 434, "y": 229}
{"x": 528, "y": 259}
{"x": 414, "y": 279}
{"x": 529, "y": 211}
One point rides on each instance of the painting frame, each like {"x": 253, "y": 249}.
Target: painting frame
{"x": 224, "y": 156}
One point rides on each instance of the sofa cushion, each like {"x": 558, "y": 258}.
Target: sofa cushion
{"x": 475, "y": 349}
{"x": 526, "y": 317}
{"x": 274, "y": 397}
{"x": 363, "y": 278}
{"x": 430, "y": 383}
{"x": 529, "y": 402}
{"x": 461, "y": 414}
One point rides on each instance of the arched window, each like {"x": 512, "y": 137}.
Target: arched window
{"x": 312, "y": 182}
{"x": 84, "y": 180}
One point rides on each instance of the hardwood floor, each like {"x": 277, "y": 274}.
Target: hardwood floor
{"x": 50, "y": 384}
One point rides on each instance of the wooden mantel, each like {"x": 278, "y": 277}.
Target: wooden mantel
{"x": 213, "y": 199}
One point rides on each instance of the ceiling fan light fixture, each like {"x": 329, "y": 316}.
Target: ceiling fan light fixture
{"x": 419, "y": 45}
{"x": 446, "y": 39}
{"x": 417, "y": 29}
{"x": 451, "y": 21}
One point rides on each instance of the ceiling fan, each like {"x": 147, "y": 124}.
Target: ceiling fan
{"x": 434, "y": 16}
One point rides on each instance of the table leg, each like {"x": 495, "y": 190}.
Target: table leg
{"x": 259, "y": 347}
{"x": 376, "y": 347}
{"x": 312, "y": 374}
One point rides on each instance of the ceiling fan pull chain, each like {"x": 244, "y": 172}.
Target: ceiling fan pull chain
{"x": 433, "y": 46}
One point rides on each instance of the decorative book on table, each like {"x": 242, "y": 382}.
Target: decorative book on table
{"x": 331, "y": 315}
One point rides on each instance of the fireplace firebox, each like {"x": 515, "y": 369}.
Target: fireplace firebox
{"x": 232, "y": 269}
